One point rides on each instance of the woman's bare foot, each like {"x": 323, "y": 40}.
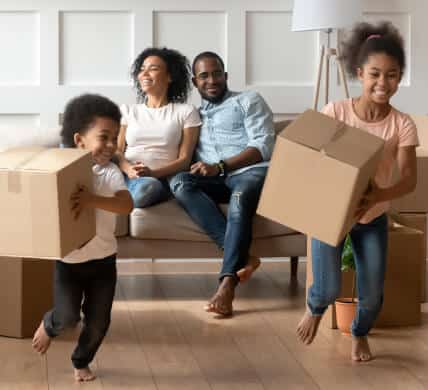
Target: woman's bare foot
{"x": 308, "y": 327}
{"x": 84, "y": 374}
{"x": 221, "y": 302}
{"x": 360, "y": 349}
{"x": 41, "y": 340}
{"x": 245, "y": 273}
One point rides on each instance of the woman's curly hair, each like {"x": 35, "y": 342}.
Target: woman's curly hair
{"x": 82, "y": 111}
{"x": 366, "y": 39}
{"x": 178, "y": 68}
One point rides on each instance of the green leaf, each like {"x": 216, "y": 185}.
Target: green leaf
{"x": 348, "y": 262}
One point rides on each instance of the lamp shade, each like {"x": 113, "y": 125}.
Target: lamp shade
{"x": 325, "y": 14}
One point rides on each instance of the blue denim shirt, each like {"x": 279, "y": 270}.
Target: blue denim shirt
{"x": 240, "y": 121}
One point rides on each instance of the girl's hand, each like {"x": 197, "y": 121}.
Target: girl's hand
{"x": 79, "y": 200}
{"x": 369, "y": 199}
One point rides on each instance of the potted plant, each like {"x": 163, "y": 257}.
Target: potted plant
{"x": 346, "y": 306}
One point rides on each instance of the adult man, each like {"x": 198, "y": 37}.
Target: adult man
{"x": 235, "y": 144}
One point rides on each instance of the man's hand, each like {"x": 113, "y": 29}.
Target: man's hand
{"x": 79, "y": 200}
{"x": 204, "y": 169}
{"x": 369, "y": 199}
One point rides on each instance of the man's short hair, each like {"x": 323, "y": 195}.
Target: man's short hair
{"x": 206, "y": 54}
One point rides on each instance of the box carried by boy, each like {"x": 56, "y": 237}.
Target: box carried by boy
{"x": 35, "y": 188}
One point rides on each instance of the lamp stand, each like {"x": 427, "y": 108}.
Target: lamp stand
{"x": 325, "y": 54}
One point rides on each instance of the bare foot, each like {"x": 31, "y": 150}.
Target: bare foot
{"x": 221, "y": 302}
{"x": 41, "y": 340}
{"x": 84, "y": 374}
{"x": 245, "y": 273}
{"x": 360, "y": 349}
{"x": 308, "y": 327}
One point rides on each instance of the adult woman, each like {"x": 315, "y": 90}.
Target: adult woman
{"x": 159, "y": 133}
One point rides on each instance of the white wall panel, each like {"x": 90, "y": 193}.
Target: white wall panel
{"x": 95, "y": 47}
{"x": 20, "y": 48}
{"x": 275, "y": 54}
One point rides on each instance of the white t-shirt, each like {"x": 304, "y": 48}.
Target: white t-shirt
{"x": 108, "y": 180}
{"x": 153, "y": 135}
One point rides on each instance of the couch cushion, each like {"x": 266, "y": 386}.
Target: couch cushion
{"x": 168, "y": 220}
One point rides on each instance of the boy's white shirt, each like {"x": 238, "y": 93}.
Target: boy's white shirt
{"x": 108, "y": 180}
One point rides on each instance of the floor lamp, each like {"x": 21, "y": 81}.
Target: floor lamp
{"x": 326, "y": 16}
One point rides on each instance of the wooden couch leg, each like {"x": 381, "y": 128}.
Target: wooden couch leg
{"x": 294, "y": 265}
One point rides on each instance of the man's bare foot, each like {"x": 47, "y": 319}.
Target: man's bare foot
{"x": 41, "y": 340}
{"x": 245, "y": 273}
{"x": 84, "y": 374}
{"x": 308, "y": 327}
{"x": 221, "y": 302}
{"x": 360, "y": 349}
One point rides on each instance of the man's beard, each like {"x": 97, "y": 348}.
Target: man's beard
{"x": 216, "y": 99}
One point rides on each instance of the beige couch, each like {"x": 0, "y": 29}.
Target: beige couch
{"x": 165, "y": 231}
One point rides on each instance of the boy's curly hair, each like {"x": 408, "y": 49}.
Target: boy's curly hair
{"x": 366, "y": 39}
{"x": 81, "y": 112}
{"x": 178, "y": 68}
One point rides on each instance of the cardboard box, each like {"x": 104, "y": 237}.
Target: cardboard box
{"x": 419, "y": 222}
{"x": 35, "y": 188}
{"x": 402, "y": 290}
{"x": 416, "y": 201}
{"x": 26, "y": 293}
{"x": 319, "y": 170}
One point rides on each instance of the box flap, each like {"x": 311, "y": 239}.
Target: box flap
{"x": 39, "y": 158}
{"x": 336, "y": 139}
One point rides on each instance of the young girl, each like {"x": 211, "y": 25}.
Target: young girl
{"x": 90, "y": 122}
{"x": 374, "y": 55}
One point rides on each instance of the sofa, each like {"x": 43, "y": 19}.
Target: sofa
{"x": 166, "y": 231}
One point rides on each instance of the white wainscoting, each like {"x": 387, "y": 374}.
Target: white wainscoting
{"x": 53, "y": 50}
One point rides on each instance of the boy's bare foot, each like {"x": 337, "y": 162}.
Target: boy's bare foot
{"x": 245, "y": 273}
{"x": 360, "y": 349}
{"x": 41, "y": 340}
{"x": 84, "y": 374}
{"x": 221, "y": 302}
{"x": 308, "y": 327}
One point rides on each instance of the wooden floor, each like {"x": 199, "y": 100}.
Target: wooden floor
{"x": 160, "y": 338}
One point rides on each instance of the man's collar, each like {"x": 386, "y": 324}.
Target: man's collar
{"x": 205, "y": 103}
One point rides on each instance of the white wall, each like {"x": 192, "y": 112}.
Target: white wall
{"x": 52, "y": 50}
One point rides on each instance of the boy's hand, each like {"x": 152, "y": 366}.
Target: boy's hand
{"x": 204, "y": 169}
{"x": 80, "y": 199}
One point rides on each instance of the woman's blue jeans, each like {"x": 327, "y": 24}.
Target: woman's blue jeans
{"x": 369, "y": 245}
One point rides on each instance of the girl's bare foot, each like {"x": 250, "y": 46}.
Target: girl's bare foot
{"x": 84, "y": 374}
{"x": 360, "y": 349}
{"x": 221, "y": 302}
{"x": 308, "y": 327}
{"x": 245, "y": 273}
{"x": 41, "y": 340}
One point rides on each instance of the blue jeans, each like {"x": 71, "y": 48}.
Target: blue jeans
{"x": 147, "y": 191}
{"x": 94, "y": 282}
{"x": 369, "y": 245}
{"x": 200, "y": 197}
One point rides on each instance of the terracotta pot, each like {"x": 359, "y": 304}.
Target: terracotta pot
{"x": 345, "y": 313}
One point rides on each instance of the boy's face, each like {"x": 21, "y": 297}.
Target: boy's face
{"x": 100, "y": 139}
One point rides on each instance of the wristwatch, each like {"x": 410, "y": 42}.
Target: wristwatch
{"x": 222, "y": 168}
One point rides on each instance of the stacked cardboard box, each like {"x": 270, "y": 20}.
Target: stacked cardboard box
{"x": 37, "y": 223}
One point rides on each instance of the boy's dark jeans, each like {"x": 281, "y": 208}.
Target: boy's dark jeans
{"x": 93, "y": 282}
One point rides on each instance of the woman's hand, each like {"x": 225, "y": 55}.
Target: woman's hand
{"x": 369, "y": 199}
{"x": 134, "y": 170}
{"x": 80, "y": 199}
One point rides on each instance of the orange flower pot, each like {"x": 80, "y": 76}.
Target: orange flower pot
{"x": 345, "y": 313}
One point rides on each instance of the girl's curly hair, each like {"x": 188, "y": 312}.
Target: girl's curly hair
{"x": 178, "y": 68}
{"x": 366, "y": 39}
{"x": 82, "y": 111}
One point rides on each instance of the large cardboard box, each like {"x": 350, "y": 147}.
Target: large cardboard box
{"x": 416, "y": 201}
{"x": 319, "y": 170}
{"x": 402, "y": 292}
{"x": 419, "y": 222}
{"x": 35, "y": 188}
{"x": 26, "y": 293}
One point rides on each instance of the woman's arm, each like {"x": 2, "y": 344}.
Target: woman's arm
{"x": 185, "y": 153}
{"x": 131, "y": 170}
